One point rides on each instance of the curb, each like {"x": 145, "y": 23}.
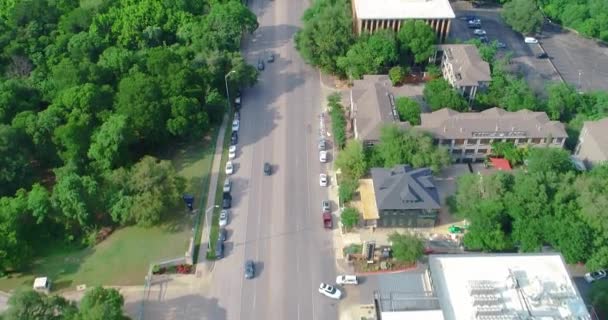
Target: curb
{"x": 551, "y": 62}
{"x": 386, "y": 272}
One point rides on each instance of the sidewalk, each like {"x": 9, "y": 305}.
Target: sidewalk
{"x": 202, "y": 265}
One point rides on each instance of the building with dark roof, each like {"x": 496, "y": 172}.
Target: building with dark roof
{"x": 405, "y": 197}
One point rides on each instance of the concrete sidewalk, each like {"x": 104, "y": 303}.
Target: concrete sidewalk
{"x": 202, "y": 265}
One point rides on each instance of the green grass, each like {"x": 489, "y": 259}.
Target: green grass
{"x": 124, "y": 257}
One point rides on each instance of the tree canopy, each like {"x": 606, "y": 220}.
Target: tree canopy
{"x": 371, "y": 54}
{"x": 439, "y": 94}
{"x": 523, "y": 16}
{"x": 406, "y": 247}
{"x": 408, "y": 109}
{"x": 417, "y": 38}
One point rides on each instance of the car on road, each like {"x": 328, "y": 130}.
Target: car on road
{"x": 223, "y": 218}
{"x": 470, "y": 17}
{"x": 323, "y": 180}
{"x": 227, "y": 185}
{"x": 328, "y": 222}
{"x": 596, "y": 275}
{"x": 237, "y": 115}
{"x": 260, "y": 64}
{"x": 222, "y": 235}
{"x": 249, "y": 269}
{"x": 219, "y": 249}
{"x": 346, "y": 279}
{"x": 267, "y": 168}
{"x": 229, "y": 168}
{"x": 322, "y": 145}
{"x": 542, "y": 55}
{"x": 484, "y": 39}
{"x": 232, "y": 152}
{"x": 270, "y": 57}
{"x": 234, "y": 138}
{"x": 530, "y": 40}
{"x": 326, "y": 206}
{"x": 323, "y": 156}
{"x": 235, "y": 125}
{"x": 329, "y": 291}
{"x": 501, "y": 45}
{"x": 480, "y": 32}
{"x": 237, "y": 100}
{"x": 226, "y": 201}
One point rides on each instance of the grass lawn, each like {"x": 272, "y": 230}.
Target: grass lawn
{"x": 124, "y": 257}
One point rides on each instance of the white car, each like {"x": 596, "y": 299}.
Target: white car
{"x": 235, "y": 125}
{"x": 596, "y": 275}
{"x": 223, "y": 218}
{"x": 480, "y": 32}
{"x": 530, "y": 40}
{"x": 329, "y": 291}
{"x": 227, "y": 185}
{"x": 229, "y": 167}
{"x": 232, "y": 152}
{"x": 323, "y": 156}
{"x": 346, "y": 279}
{"x": 323, "y": 180}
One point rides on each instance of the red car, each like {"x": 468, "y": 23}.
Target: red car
{"x": 327, "y": 220}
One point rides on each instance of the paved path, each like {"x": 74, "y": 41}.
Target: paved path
{"x": 202, "y": 265}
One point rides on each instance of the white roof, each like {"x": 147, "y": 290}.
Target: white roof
{"x": 471, "y": 285}
{"x": 40, "y": 282}
{"x": 413, "y": 315}
{"x": 403, "y": 9}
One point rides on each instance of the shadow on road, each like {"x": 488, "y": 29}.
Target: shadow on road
{"x": 188, "y": 307}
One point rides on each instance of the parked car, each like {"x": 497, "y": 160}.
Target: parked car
{"x": 326, "y": 206}
{"x": 480, "y": 32}
{"x": 249, "y": 269}
{"x": 237, "y": 115}
{"x": 260, "y": 64}
{"x": 234, "y": 138}
{"x": 323, "y": 156}
{"x": 346, "y": 279}
{"x": 222, "y": 235}
{"x": 484, "y": 39}
{"x": 229, "y": 168}
{"x": 323, "y": 180}
{"x": 322, "y": 145}
{"x": 471, "y": 17}
{"x": 474, "y": 20}
{"x": 235, "y": 125}
{"x": 219, "y": 250}
{"x": 329, "y": 291}
{"x": 270, "y": 57}
{"x": 267, "y": 168}
{"x": 327, "y": 221}
{"x": 226, "y": 203}
{"x": 542, "y": 56}
{"x": 596, "y": 275}
{"x": 232, "y": 152}
{"x": 223, "y": 218}
{"x": 530, "y": 40}
{"x": 501, "y": 45}
{"x": 227, "y": 185}
{"x": 237, "y": 100}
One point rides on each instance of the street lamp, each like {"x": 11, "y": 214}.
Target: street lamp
{"x": 227, "y": 91}
{"x": 211, "y": 208}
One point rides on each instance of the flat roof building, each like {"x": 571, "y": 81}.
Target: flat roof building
{"x": 469, "y": 136}
{"x": 592, "y": 147}
{"x": 371, "y": 15}
{"x": 488, "y": 287}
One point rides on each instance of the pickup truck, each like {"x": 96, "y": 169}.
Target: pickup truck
{"x": 327, "y": 220}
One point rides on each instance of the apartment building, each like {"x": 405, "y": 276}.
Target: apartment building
{"x": 463, "y": 68}
{"x": 592, "y": 147}
{"x": 469, "y": 136}
{"x": 371, "y": 15}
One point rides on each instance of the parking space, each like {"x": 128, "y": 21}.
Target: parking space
{"x": 536, "y": 71}
{"x": 581, "y": 62}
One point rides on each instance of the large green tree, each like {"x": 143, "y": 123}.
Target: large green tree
{"x": 439, "y": 94}
{"x": 406, "y": 247}
{"x": 109, "y": 143}
{"x": 351, "y": 160}
{"x": 371, "y": 54}
{"x": 15, "y": 165}
{"x": 523, "y": 16}
{"x": 408, "y": 109}
{"x": 418, "y": 39}
{"x": 32, "y": 305}
{"x": 101, "y": 304}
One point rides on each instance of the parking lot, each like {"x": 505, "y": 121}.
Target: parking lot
{"x": 536, "y": 71}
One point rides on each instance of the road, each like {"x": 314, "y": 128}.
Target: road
{"x": 276, "y": 219}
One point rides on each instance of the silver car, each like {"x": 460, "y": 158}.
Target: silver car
{"x": 227, "y": 185}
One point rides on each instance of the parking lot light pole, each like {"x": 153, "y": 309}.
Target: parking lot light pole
{"x": 228, "y": 91}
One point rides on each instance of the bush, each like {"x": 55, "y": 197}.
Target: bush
{"x": 406, "y": 247}
{"x": 396, "y": 74}
{"x": 347, "y": 189}
{"x": 408, "y": 109}
{"x": 338, "y": 121}
{"x": 433, "y": 71}
{"x": 350, "y": 218}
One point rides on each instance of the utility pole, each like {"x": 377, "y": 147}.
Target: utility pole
{"x": 228, "y": 91}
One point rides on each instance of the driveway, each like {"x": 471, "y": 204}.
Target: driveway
{"x": 537, "y": 72}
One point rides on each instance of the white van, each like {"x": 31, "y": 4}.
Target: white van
{"x": 530, "y": 40}
{"x": 346, "y": 279}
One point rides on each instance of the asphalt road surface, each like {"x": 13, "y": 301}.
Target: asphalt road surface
{"x": 275, "y": 220}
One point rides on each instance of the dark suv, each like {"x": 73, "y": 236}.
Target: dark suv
{"x": 219, "y": 250}
{"x": 234, "y": 138}
{"x": 267, "y": 169}
{"x": 227, "y": 201}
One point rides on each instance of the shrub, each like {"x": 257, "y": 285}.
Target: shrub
{"x": 408, "y": 109}
{"x": 396, "y": 74}
{"x": 350, "y": 218}
{"x": 433, "y": 71}
{"x": 347, "y": 189}
{"x": 338, "y": 121}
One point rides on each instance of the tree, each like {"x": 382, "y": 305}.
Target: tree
{"x": 396, "y": 74}
{"x": 487, "y": 225}
{"x": 418, "y": 39}
{"x": 225, "y": 24}
{"x": 15, "y": 169}
{"x": 487, "y": 51}
{"x": 406, "y": 247}
{"x": 544, "y": 160}
{"x": 509, "y": 151}
{"x": 517, "y": 95}
{"x": 523, "y": 16}
{"x": 338, "y": 121}
{"x": 101, "y": 304}
{"x": 349, "y": 218}
{"x": 371, "y": 54}
{"x": 593, "y": 199}
{"x": 326, "y": 34}
{"x": 351, "y": 160}
{"x": 563, "y": 101}
{"x": 408, "y": 109}
{"x": 76, "y": 197}
{"x": 438, "y": 93}
{"x": 109, "y": 144}
{"x": 599, "y": 296}
{"x": 32, "y": 305}
{"x": 347, "y": 189}
{"x": 16, "y": 96}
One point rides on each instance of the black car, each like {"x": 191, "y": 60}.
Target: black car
{"x": 542, "y": 56}
{"x": 249, "y": 269}
{"x": 267, "y": 169}
{"x": 234, "y": 138}
{"x": 227, "y": 201}
{"x": 219, "y": 250}
{"x": 260, "y": 64}
{"x": 223, "y": 235}
{"x": 484, "y": 39}
{"x": 270, "y": 57}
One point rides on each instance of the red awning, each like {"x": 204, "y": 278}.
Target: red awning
{"x": 500, "y": 164}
